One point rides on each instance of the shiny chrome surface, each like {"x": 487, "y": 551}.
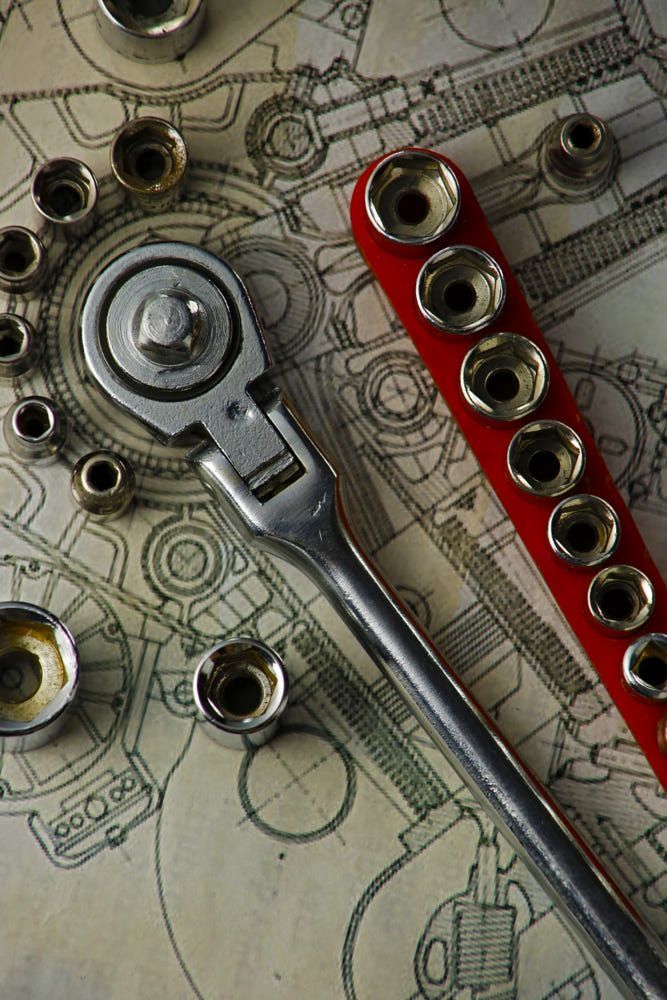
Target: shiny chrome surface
{"x": 645, "y": 667}
{"x": 299, "y": 517}
{"x": 460, "y": 289}
{"x": 39, "y": 673}
{"x": 64, "y": 193}
{"x": 23, "y": 263}
{"x": 35, "y": 429}
{"x": 504, "y": 377}
{"x": 150, "y": 31}
{"x": 621, "y": 598}
{"x": 412, "y": 197}
{"x": 241, "y": 689}
{"x": 580, "y": 155}
{"x": 103, "y": 485}
{"x": 19, "y": 346}
{"x": 584, "y": 530}
{"x": 546, "y": 458}
{"x": 149, "y": 159}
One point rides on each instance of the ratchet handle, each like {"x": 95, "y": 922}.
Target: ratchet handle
{"x": 304, "y": 524}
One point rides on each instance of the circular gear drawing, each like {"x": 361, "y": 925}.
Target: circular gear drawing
{"x": 183, "y": 558}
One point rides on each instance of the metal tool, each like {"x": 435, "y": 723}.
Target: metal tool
{"x": 103, "y": 485}
{"x": 64, "y": 192}
{"x": 35, "y": 429}
{"x": 259, "y": 461}
{"x": 151, "y": 31}
{"x": 39, "y": 673}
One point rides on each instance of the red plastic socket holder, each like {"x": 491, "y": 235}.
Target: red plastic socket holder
{"x": 389, "y": 227}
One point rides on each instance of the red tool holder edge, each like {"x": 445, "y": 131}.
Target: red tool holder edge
{"x": 396, "y": 268}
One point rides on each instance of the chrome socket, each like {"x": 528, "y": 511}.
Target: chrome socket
{"x": 584, "y": 530}
{"x": 152, "y": 31}
{"x": 580, "y": 154}
{"x": 460, "y": 289}
{"x": 39, "y": 673}
{"x": 241, "y": 690}
{"x": 412, "y": 197}
{"x": 621, "y": 598}
{"x": 19, "y": 347}
{"x": 546, "y": 458}
{"x": 35, "y": 429}
{"x": 103, "y": 485}
{"x": 23, "y": 263}
{"x": 504, "y": 377}
{"x": 149, "y": 159}
{"x": 645, "y": 667}
{"x": 64, "y": 193}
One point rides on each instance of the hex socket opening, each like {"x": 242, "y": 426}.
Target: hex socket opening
{"x": 460, "y": 289}
{"x": 22, "y": 259}
{"x": 645, "y": 670}
{"x": 34, "y": 421}
{"x": 621, "y": 598}
{"x": 13, "y": 337}
{"x": 546, "y": 458}
{"x": 584, "y": 530}
{"x": 412, "y": 197}
{"x": 504, "y": 376}
{"x": 149, "y": 157}
{"x": 64, "y": 191}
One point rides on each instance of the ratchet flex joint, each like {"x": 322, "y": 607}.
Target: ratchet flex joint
{"x": 170, "y": 334}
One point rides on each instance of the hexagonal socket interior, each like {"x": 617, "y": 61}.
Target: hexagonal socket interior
{"x": 103, "y": 484}
{"x": 23, "y": 262}
{"x": 584, "y": 530}
{"x": 581, "y": 154}
{"x": 460, "y": 289}
{"x": 18, "y": 345}
{"x": 412, "y": 197}
{"x": 645, "y": 671}
{"x": 621, "y": 598}
{"x": 35, "y": 429}
{"x": 149, "y": 160}
{"x": 504, "y": 376}
{"x": 546, "y": 458}
{"x": 64, "y": 192}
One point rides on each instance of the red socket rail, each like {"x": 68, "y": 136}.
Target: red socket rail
{"x": 420, "y": 229}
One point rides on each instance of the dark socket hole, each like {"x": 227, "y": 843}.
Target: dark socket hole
{"x": 102, "y": 476}
{"x": 65, "y": 199}
{"x": 33, "y": 421}
{"x": 617, "y": 603}
{"x": 242, "y": 695}
{"x": 11, "y": 343}
{"x": 150, "y": 164}
{"x": 652, "y": 670}
{"x": 582, "y": 536}
{"x": 583, "y": 136}
{"x": 20, "y": 676}
{"x": 412, "y": 207}
{"x": 543, "y": 466}
{"x": 502, "y": 385}
{"x": 15, "y": 260}
{"x": 460, "y": 296}
{"x": 146, "y": 8}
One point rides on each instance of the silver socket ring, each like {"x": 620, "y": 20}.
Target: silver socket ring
{"x": 149, "y": 159}
{"x": 584, "y": 530}
{"x": 64, "y": 192}
{"x": 621, "y": 598}
{"x": 39, "y": 672}
{"x": 19, "y": 347}
{"x": 412, "y": 197}
{"x": 581, "y": 154}
{"x": 35, "y": 429}
{"x": 460, "y": 289}
{"x": 103, "y": 485}
{"x": 151, "y": 31}
{"x": 23, "y": 263}
{"x": 504, "y": 377}
{"x": 546, "y": 458}
{"x": 645, "y": 666}
{"x": 241, "y": 690}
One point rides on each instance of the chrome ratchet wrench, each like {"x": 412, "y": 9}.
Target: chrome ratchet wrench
{"x": 170, "y": 335}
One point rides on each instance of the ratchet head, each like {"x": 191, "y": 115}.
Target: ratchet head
{"x": 170, "y": 335}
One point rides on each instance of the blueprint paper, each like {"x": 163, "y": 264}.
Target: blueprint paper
{"x": 345, "y": 859}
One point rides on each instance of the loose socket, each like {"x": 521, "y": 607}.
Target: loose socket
{"x": 460, "y": 289}
{"x": 645, "y": 672}
{"x": 39, "y": 672}
{"x": 504, "y": 377}
{"x": 19, "y": 347}
{"x": 546, "y": 458}
{"x": 64, "y": 192}
{"x": 580, "y": 154}
{"x": 584, "y": 530}
{"x": 35, "y": 429}
{"x": 103, "y": 485}
{"x": 149, "y": 159}
{"x": 241, "y": 690}
{"x": 621, "y": 598}
{"x": 23, "y": 263}
{"x": 152, "y": 31}
{"x": 412, "y": 197}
